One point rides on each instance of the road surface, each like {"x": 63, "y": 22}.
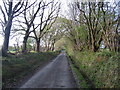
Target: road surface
{"x": 56, "y": 74}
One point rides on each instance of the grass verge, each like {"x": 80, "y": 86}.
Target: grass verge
{"x": 16, "y": 67}
{"x": 81, "y": 82}
{"x": 102, "y": 67}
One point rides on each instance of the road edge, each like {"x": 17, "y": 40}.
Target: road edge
{"x": 73, "y": 72}
{"x": 23, "y": 80}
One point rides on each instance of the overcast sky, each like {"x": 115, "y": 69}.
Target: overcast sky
{"x": 64, "y": 9}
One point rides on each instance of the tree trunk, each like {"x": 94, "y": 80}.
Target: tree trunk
{"x": 118, "y": 44}
{"x": 48, "y": 46}
{"x": 93, "y": 42}
{"x": 6, "y": 37}
{"x": 38, "y": 45}
{"x": 89, "y": 40}
{"x": 93, "y": 46}
{"x": 24, "y": 48}
{"x": 18, "y": 49}
{"x": 53, "y": 45}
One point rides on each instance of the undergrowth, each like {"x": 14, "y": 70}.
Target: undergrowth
{"x": 102, "y": 67}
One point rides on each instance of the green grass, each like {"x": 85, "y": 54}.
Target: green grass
{"x": 16, "y": 67}
{"x": 82, "y": 82}
{"x": 102, "y": 67}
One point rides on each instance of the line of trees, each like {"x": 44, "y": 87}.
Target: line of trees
{"x": 33, "y": 19}
{"x": 9, "y": 10}
{"x": 92, "y": 24}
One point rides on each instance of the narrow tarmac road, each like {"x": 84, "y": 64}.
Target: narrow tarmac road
{"x": 56, "y": 74}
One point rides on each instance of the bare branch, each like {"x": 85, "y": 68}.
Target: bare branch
{"x": 4, "y": 3}
{"x": 4, "y": 16}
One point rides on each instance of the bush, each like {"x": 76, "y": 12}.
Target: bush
{"x": 106, "y": 53}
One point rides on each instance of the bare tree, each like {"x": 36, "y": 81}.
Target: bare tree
{"x": 91, "y": 14}
{"x": 28, "y": 22}
{"x": 102, "y": 21}
{"x": 51, "y": 37}
{"x": 46, "y": 21}
{"x": 110, "y": 27}
{"x": 10, "y": 10}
